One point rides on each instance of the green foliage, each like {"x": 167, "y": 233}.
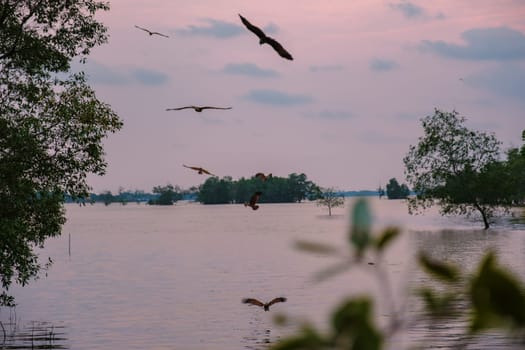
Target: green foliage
{"x": 439, "y": 269}
{"x": 491, "y": 296}
{"x": 51, "y": 129}
{"x": 396, "y": 191}
{"x": 498, "y": 298}
{"x": 276, "y": 189}
{"x": 455, "y": 167}
{"x": 330, "y": 199}
{"x": 360, "y": 228}
{"x": 167, "y": 195}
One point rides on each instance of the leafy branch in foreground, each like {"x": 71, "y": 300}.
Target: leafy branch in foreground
{"x": 490, "y": 298}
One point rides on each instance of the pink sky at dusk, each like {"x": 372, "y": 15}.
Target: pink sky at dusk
{"x": 343, "y": 112}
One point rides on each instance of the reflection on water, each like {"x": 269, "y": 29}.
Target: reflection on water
{"x": 34, "y": 335}
{"x": 145, "y": 277}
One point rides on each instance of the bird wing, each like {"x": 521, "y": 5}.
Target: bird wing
{"x": 211, "y": 107}
{"x": 277, "y": 300}
{"x": 207, "y": 172}
{"x": 191, "y": 167}
{"x": 253, "y": 302}
{"x": 255, "y": 197}
{"x": 178, "y": 109}
{"x": 144, "y": 29}
{"x": 256, "y": 30}
{"x": 157, "y": 33}
{"x": 279, "y": 48}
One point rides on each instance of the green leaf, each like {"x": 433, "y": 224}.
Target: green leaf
{"x": 389, "y": 234}
{"x": 361, "y": 226}
{"x": 498, "y": 299}
{"x": 438, "y": 304}
{"x": 443, "y": 271}
{"x": 316, "y": 248}
{"x": 308, "y": 339}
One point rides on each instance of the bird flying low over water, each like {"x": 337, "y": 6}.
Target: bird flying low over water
{"x": 265, "y": 306}
{"x": 263, "y": 177}
{"x": 253, "y": 200}
{"x": 196, "y": 108}
{"x": 264, "y": 39}
{"x": 199, "y": 170}
{"x": 152, "y": 33}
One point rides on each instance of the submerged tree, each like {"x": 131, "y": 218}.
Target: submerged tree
{"x": 51, "y": 128}
{"x": 330, "y": 199}
{"x": 454, "y": 167}
{"x": 396, "y": 191}
{"x": 167, "y": 195}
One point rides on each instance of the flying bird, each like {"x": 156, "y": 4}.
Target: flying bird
{"x": 266, "y": 306}
{"x": 253, "y": 201}
{"x": 264, "y": 39}
{"x": 199, "y": 170}
{"x": 151, "y": 33}
{"x": 263, "y": 177}
{"x": 197, "y": 108}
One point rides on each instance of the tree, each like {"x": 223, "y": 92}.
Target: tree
{"x": 51, "y": 128}
{"x": 329, "y": 198}
{"x": 454, "y": 167}
{"x": 167, "y": 195}
{"x": 396, "y": 191}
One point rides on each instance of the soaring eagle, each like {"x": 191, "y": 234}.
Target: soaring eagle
{"x": 253, "y": 200}
{"x": 263, "y": 39}
{"x": 265, "y": 306}
{"x": 263, "y": 177}
{"x": 199, "y": 170}
{"x": 151, "y": 33}
{"x": 196, "y": 108}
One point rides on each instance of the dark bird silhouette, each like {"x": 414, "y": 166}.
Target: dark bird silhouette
{"x": 253, "y": 201}
{"x": 266, "y": 306}
{"x": 264, "y": 39}
{"x": 199, "y": 170}
{"x": 263, "y": 177}
{"x": 152, "y": 33}
{"x": 197, "y": 108}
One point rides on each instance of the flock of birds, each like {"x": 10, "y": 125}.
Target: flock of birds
{"x": 252, "y": 203}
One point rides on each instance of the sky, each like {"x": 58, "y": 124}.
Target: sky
{"x": 344, "y": 111}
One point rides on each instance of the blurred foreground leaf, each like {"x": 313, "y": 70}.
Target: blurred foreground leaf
{"x": 442, "y": 270}
{"x": 498, "y": 299}
{"x": 360, "y": 227}
{"x": 354, "y": 327}
{"x": 437, "y": 304}
{"x": 314, "y": 247}
{"x": 389, "y": 234}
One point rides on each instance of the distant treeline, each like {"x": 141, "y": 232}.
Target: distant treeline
{"x": 294, "y": 188}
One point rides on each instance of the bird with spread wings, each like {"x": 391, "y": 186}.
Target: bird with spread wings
{"x": 199, "y": 170}
{"x": 196, "y": 108}
{"x": 264, "y": 39}
{"x": 152, "y": 33}
{"x": 263, "y": 177}
{"x": 265, "y": 306}
{"x": 253, "y": 201}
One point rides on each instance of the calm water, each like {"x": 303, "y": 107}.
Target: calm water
{"x": 173, "y": 277}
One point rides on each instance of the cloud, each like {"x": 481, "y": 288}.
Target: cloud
{"x": 98, "y": 73}
{"x": 331, "y": 115}
{"x": 249, "y": 69}
{"x": 214, "y": 28}
{"x": 327, "y": 68}
{"x": 501, "y": 43}
{"x": 382, "y": 65}
{"x": 149, "y": 77}
{"x": 413, "y": 11}
{"x": 101, "y": 74}
{"x": 506, "y": 80}
{"x": 277, "y": 98}
{"x": 408, "y": 9}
